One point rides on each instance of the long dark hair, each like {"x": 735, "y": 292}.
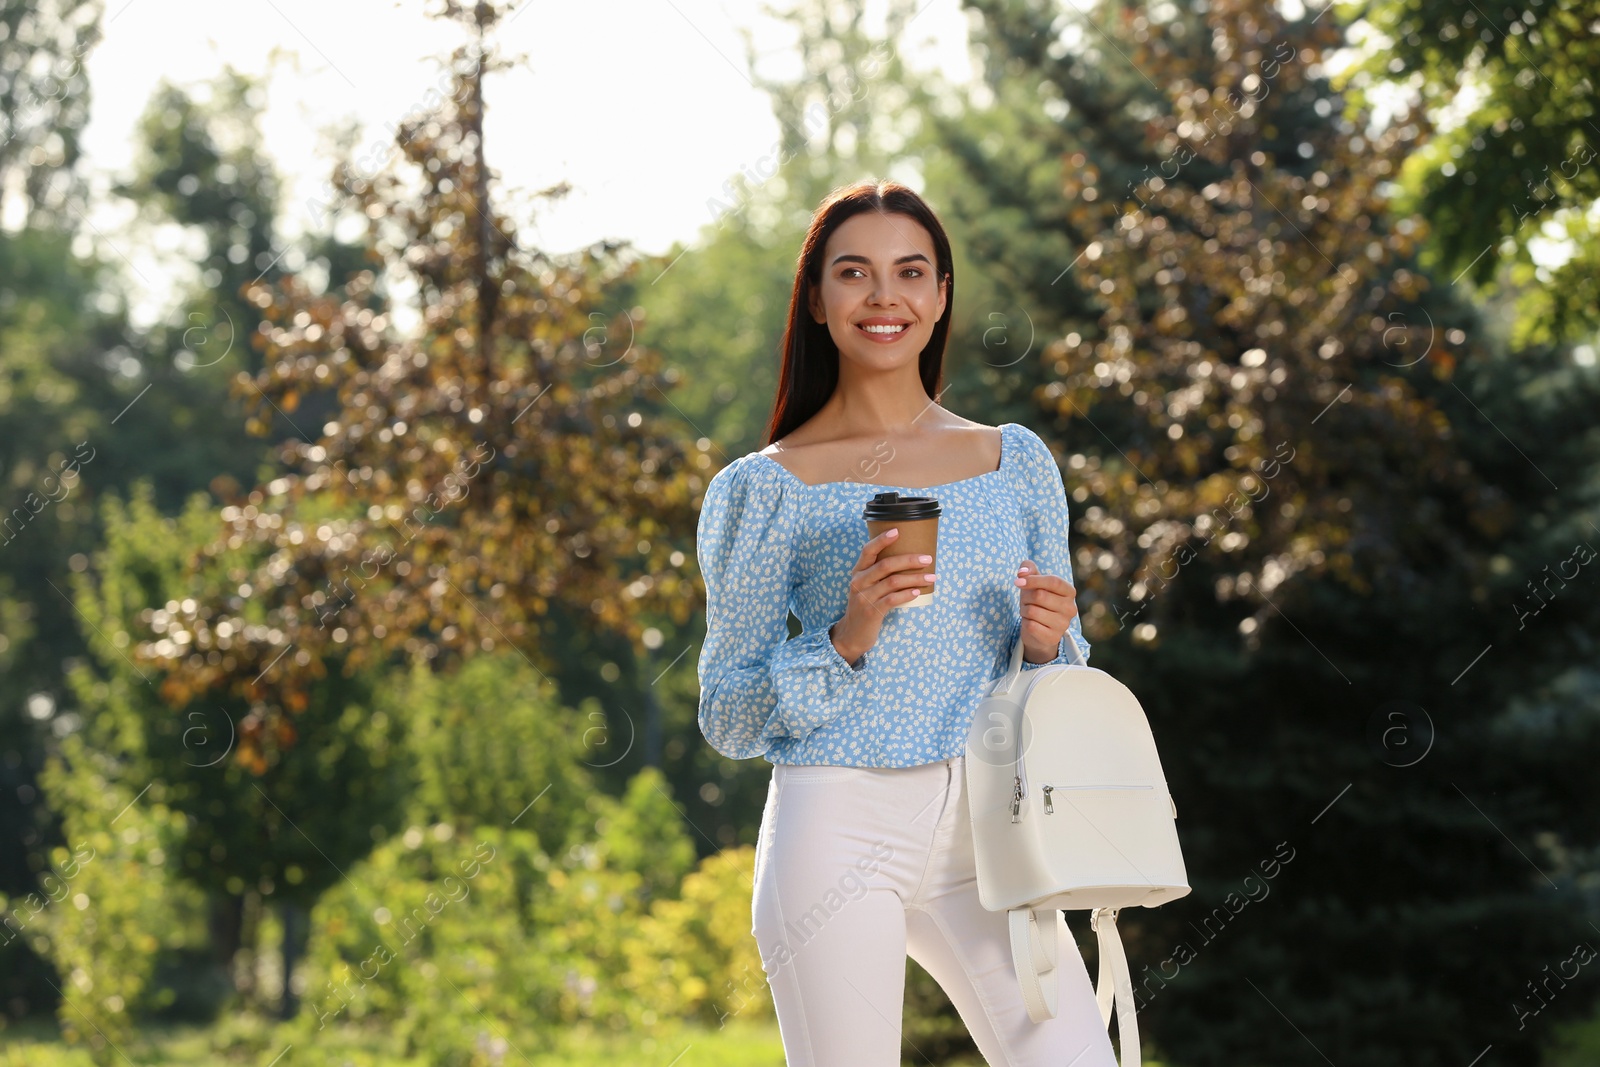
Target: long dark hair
{"x": 810, "y": 358}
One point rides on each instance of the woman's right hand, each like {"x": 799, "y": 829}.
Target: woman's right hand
{"x": 876, "y": 586}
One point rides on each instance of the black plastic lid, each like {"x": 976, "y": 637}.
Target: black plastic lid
{"x": 892, "y": 506}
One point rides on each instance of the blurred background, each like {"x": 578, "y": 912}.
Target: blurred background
{"x": 362, "y": 368}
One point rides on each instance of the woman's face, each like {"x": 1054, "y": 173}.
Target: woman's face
{"x": 879, "y": 294}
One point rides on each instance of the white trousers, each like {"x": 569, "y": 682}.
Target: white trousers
{"x": 858, "y": 867}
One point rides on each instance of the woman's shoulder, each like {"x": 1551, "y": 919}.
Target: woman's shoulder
{"x": 1036, "y": 477}
{"x": 1020, "y": 431}
{"x": 745, "y": 480}
{"x": 1029, "y": 445}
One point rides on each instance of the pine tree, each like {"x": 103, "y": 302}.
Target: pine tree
{"x": 1307, "y": 492}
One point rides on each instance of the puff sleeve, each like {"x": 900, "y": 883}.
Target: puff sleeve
{"x": 756, "y": 683}
{"x": 1044, "y": 511}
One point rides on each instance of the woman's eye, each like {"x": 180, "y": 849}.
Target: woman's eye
{"x": 916, "y": 272}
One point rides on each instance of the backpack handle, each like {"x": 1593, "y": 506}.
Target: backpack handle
{"x": 1005, "y": 685}
{"x": 1014, "y": 669}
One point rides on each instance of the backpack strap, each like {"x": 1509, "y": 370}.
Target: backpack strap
{"x": 1114, "y": 980}
{"x": 1035, "y": 947}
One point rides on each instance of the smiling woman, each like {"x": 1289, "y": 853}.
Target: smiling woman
{"x": 865, "y": 714}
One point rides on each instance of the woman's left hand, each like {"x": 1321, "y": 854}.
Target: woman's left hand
{"x": 1049, "y": 604}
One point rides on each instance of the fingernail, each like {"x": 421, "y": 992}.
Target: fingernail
{"x": 924, "y": 559}
{"x": 895, "y": 532}
{"x": 1022, "y": 581}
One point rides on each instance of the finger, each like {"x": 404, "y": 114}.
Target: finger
{"x": 895, "y": 581}
{"x": 1040, "y": 632}
{"x": 1047, "y": 615}
{"x": 1053, "y": 582}
{"x": 875, "y": 545}
{"x": 893, "y": 598}
{"x": 1036, "y": 633}
{"x": 903, "y": 561}
{"x": 1049, "y": 598}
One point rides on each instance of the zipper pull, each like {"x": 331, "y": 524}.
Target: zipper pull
{"x": 1016, "y": 799}
{"x": 1049, "y": 809}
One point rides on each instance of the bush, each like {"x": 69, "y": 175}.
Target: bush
{"x": 428, "y": 939}
{"x": 110, "y": 904}
{"x": 443, "y": 935}
{"x": 490, "y": 745}
{"x": 695, "y": 957}
{"x": 600, "y": 893}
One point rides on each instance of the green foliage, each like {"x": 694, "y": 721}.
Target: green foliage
{"x": 428, "y": 937}
{"x": 483, "y": 756}
{"x": 600, "y": 892}
{"x": 272, "y": 816}
{"x": 644, "y": 831}
{"x": 491, "y": 747}
{"x": 81, "y": 390}
{"x": 1575, "y": 1044}
{"x": 440, "y": 933}
{"x": 719, "y": 313}
{"x": 110, "y": 905}
{"x": 257, "y": 1042}
{"x": 48, "y": 448}
{"x": 44, "y": 105}
{"x": 1517, "y": 159}
{"x": 694, "y": 956}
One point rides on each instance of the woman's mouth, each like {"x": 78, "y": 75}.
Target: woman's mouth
{"x": 883, "y": 333}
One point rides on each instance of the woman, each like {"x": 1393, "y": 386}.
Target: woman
{"x": 865, "y": 852}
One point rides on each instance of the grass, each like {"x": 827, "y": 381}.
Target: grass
{"x": 249, "y": 1041}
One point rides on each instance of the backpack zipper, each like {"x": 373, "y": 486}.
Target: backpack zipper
{"x": 1049, "y": 805}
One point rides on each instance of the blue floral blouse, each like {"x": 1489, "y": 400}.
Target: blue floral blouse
{"x": 768, "y": 544}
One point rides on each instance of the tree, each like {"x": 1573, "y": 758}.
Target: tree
{"x": 512, "y": 457}
{"x": 50, "y": 335}
{"x": 48, "y": 329}
{"x": 276, "y": 837}
{"x": 44, "y": 106}
{"x": 200, "y": 165}
{"x": 93, "y": 404}
{"x": 1298, "y": 522}
{"x": 1516, "y": 160}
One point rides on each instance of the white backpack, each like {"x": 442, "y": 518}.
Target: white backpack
{"x": 1069, "y": 810}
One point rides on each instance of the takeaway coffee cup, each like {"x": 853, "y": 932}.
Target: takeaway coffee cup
{"x": 918, "y": 520}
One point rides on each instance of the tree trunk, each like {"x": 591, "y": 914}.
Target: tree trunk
{"x": 243, "y": 964}
{"x": 296, "y": 925}
{"x": 652, "y": 724}
{"x": 226, "y": 923}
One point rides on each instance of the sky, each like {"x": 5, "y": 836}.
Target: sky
{"x": 664, "y": 114}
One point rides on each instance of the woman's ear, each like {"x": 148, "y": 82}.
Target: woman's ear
{"x": 814, "y": 305}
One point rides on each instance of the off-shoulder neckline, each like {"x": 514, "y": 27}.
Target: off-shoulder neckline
{"x": 1005, "y": 453}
